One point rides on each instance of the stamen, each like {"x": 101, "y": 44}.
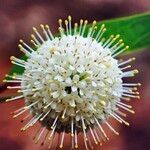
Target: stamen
{"x": 121, "y": 113}
{"x": 32, "y": 104}
{"x": 84, "y": 27}
{"x": 75, "y": 28}
{"x": 20, "y": 113}
{"x": 45, "y": 32}
{"x": 76, "y": 139}
{"x": 120, "y": 42}
{"x": 130, "y": 73}
{"x": 60, "y": 23}
{"x": 27, "y": 46}
{"x": 54, "y": 123}
{"x": 64, "y": 112}
{"x": 131, "y": 84}
{"x": 36, "y": 45}
{"x": 15, "y": 98}
{"x": 36, "y": 119}
{"x": 67, "y": 30}
{"x": 51, "y": 142}
{"x": 121, "y": 103}
{"x": 111, "y": 128}
{"x": 45, "y": 115}
{"x": 49, "y": 32}
{"x": 117, "y": 48}
{"x": 98, "y": 139}
{"x": 12, "y": 81}
{"x": 129, "y": 66}
{"x": 115, "y": 117}
{"x": 109, "y": 40}
{"x": 29, "y": 123}
{"x": 45, "y": 107}
{"x": 72, "y": 128}
{"x": 37, "y": 33}
{"x": 69, "y": 18}
{"x": 80, "y": 28}
{"x": 100, "y": 32}
{"x": 125, "y": 98}
{"x": 133, "y": 96}
{"x": 127, "y": 61}
{"x": 101, "y": 129}
{"x": 131, "y": 111}
{"x": 113, "y": 40}
{"x": 18, "y": 64}
{"x": 62, "y": 139}
{"x": 85, "y": 142}
{"x": 35, "y": 40}
{"x": 90, "y": 143}
{"x": 121, "y": 51}
{"x": 61, "y": 31}
{"x": 12, "y": 58}
{"x": 94, "y": 138}
{"x": 83, "y": 127}
{"x": 38, "y": 138}
{"x": 52, "y": 132}
{"x": 125, "y": 122}
{"x": 24, "y": 50}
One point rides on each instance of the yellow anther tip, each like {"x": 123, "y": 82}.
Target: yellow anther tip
{"x": 61, "y": 146}
{"x": 41, "y": 25}
{"x": 95, "y": 27}
{"x": 75, "y": 24}
{"x": 85, "y": 21}
{"x": 76, "y": 146}
{"x": 20, "y": 46}
{"x": 21, "y": 41}
{"x": 103, "y": 25}
{"x": 120, "y": 41}
{"x": 127, "y": 47}
{"x": 11, "y": 57}
{"x": 104, "y": 29}
{"x": 66, "y": 21}
{"x": 112, "y": 36}
{"x": 94, "y": 22}
{"x": 81, "y": 20}
{"x": 136, "y": 71}
{"x": 32, "y": 35}
{"x": 34, "y": 29}
{"x": 47, "y": 26}
{"x": 69, "y": 18}
{"x": 60, "y": 20}
{"x": 118, "y": 35}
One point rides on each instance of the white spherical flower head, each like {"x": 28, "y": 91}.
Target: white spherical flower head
{"x": 73, "y": 83}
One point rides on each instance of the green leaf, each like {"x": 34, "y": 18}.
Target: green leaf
{"x": 134, "y": 30}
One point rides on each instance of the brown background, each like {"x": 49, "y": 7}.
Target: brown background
{"x": 16, "y": 20}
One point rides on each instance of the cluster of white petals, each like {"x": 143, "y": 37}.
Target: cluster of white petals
{"x": 73, "y": 83}
{"x": 74, "y": 74}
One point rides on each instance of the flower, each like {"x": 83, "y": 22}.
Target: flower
{"x": 73, "y": 83}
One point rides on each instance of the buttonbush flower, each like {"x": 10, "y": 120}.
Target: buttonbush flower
{"x": 73, "y": 83}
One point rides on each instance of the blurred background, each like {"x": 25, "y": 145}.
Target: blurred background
{"x": 17, "y": 17}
